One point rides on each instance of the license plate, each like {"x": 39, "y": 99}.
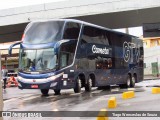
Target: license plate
{"x": 34, "y": 86}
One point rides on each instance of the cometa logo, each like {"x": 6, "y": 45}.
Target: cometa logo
{"x": 100, "y": 50}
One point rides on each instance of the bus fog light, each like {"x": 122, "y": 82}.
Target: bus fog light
{"x": 53, "y": 84}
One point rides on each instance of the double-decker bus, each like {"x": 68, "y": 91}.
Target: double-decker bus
{"x": 66, "y": 53}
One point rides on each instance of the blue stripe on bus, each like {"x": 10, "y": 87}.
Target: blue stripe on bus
{"x": 38, "y": 76}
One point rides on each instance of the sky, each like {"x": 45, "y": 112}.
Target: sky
{"x": 136, "y": 31}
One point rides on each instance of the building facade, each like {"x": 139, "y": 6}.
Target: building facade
{"x": 151, "y": 56}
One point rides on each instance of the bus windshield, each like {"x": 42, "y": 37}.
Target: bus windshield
{"x": 37, "y": 60}
{"x": 43, "y": 32}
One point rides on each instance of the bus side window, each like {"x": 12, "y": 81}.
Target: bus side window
{"x": 63, "y": 60}
{"x": 67, "y": 51}
{"x": 109, "y": 63}
{"x": 103, "y": 63}
{"x": 99, "y": 63}
{"x": 71, "y": 31}
{"x": 94, "y": 35}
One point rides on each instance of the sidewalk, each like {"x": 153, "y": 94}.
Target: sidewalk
{"x": 151, "y": 77}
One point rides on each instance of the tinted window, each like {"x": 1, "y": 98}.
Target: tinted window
{"x": 118, "y": 39}
{"x": 94, "y": 35}
{"x": 103, "y": 63}
{"x": 43, "y": 32}
{"x": 67, "y": 51}
{"x": 37, "y": 59}
{"x": 71, "y": 31}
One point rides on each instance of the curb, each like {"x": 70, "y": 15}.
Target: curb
{"x": 151, "y": 78}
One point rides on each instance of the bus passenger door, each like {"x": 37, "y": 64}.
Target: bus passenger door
{"x": 66, "y": 58}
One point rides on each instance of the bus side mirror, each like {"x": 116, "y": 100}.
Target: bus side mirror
{"x": 10, "y": 48}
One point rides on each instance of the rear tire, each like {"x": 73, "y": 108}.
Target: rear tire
{"x": 133, "y": 81}
{"x": 88, "y": 86}
{"x": 44, "y": 92}
{"x": 127, "y": 84}
{"x": 57, "y": 91}
{"x": 77, "y": 88}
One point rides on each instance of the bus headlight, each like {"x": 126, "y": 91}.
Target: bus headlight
{"x": 53, "y": 84}
{"x": 51, "y": 78}
{"x": 19, "y": 78}
{"x": 55, "y": 76}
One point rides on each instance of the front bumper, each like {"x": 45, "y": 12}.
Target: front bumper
{"x": 48, "y": 85}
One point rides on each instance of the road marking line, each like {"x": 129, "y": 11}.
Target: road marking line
{"x": 115, "y": 90}
{"x": 132, "y": 89}
{"x": 75, "y": 94}
{"x": 97, "y": 91}
{"x": 10, "y": 100}
{"x": 31, "y": 98}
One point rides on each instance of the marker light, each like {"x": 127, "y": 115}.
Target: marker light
{"x": 23, "y": 37}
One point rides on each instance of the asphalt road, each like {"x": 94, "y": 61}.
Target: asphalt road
{"x": 31, "y": 100}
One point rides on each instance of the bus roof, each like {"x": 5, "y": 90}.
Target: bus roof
{"x": 85, "y": 23}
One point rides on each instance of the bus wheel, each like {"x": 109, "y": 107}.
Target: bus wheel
{"x": 77, "y": 88}
{"x": 57, "y": 91}
{"x": 133, "y": 81}
{"x": 45, "y": 92}
{"x": 88, "y": 86}
{"x": 127, "y": 84}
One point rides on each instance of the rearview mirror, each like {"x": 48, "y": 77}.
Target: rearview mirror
{"x": 10, "y": 48}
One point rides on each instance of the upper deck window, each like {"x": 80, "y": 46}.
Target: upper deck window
{"x": 71, "y": 30}
{"x": 43, "y": 32}
{"x": 94, "y": 35}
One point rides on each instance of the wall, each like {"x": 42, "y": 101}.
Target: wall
{"x": 151, "y": 42}
{"x": 151, "y": 55}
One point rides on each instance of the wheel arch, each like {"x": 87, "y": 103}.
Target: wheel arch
{"x": 130, "y": 74}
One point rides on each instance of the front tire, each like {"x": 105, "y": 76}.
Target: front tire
{"x": 133, "y": 81}
{"x": 44, "y": 92}
{"x": 57, "y": 91}
{"x": 77, "y": 88}
{"x": 88, "y": 86}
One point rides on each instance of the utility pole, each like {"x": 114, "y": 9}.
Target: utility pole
{"x": 1, "y": 91}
